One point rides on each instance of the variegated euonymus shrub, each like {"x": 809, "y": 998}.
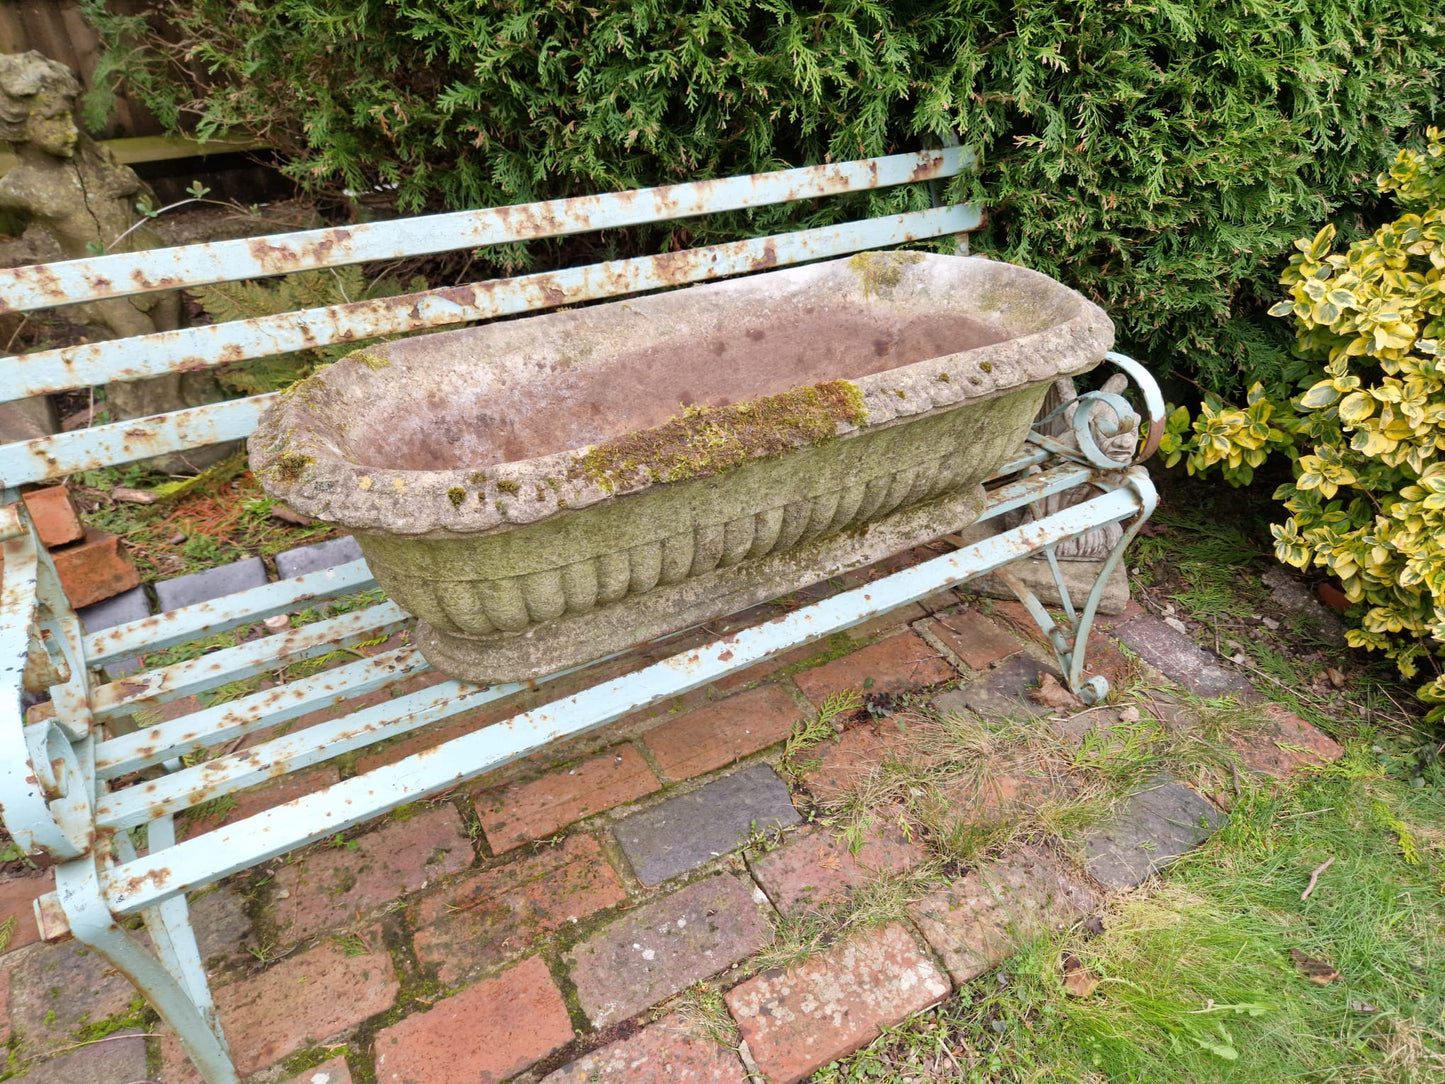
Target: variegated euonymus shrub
{"x": 1368, "y": 497}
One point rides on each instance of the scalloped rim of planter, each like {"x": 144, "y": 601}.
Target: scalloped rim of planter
{"x": 333, "y": 488}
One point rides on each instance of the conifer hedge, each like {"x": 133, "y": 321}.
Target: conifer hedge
{"x": 1159, "y": 156}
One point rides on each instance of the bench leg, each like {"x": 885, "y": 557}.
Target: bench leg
{"x": 1070, "y": 638}
{"x": 171, "y": 979}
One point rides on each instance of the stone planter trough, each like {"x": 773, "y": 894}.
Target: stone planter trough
{"x": 545, "y": 491}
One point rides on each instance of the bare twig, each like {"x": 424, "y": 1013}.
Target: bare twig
{"x": 1315, "y": 876}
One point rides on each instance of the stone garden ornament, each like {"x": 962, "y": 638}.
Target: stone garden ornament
{"x": 77, "y": 192}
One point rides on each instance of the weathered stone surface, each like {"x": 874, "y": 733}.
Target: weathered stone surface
{"x": 482, "y": 1035}
{"x": 691, "y": 829}
{"x": 317, "y": 556}
{"x": 212, "y": 583}
{"x": 1003, "y": 691}
{"x": 797, "y": 1020}
{"x": 57, "y": 989}
{"x": 94, "y": 569}
{"x": 536, "y": 809}
{"x": 1283, "y": 745}
{"x": 984, "y": 915}
{"x": 818, "y": 865}
{"x": 127, "y": 606}
{"x": 1152, "y": 828}
{"x": 716, "y": 735}
{"x": 307, "y": 998}
{"x": 670, "y": 1051}
{"x": 331, "y": 886}
{"x": 896, "y": 665}
{"x": 115, "y": 1061}
{"x": 54, "y": 515}
{"x": 498, "y": 913}
{"x": 976, "y": 640}
{"x": 1180, "y": 659}
{"x": 665, "y": 946}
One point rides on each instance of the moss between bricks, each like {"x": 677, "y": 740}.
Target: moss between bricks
{"x": 704, "y": 440}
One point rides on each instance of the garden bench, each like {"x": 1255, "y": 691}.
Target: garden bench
{"x": 77, "y": 780}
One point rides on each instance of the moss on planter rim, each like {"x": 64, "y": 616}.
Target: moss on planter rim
{"x": 707, "y": 440}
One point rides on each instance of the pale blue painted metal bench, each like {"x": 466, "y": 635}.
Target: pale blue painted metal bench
{"x": 74, "y": 784}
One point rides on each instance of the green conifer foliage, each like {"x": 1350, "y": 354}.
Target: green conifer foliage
{"x": 1158, "y": 156}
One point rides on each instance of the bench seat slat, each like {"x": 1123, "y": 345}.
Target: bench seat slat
{"x": 222, "y": 614}
{"x": 124, "y": 274}
{"x": 258, "y": 656}
{"x": 147, "y": 880}
{"x": 189, "y": 787}
{"x": 260, "y": 710}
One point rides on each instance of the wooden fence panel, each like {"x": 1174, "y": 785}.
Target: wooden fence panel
{"x": 57, "y": 29}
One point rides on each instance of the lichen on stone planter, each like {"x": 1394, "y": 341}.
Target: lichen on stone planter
{"x": 547, "y": 491}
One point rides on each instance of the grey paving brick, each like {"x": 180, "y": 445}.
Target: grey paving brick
{"x": 127, "y": 606}
{"x": 1004, "y": 691}
{"x": 1152, "y": 828}
{"x": 115, "y": 1061}
{"x": 313, "y": 558}
{"x": 691, "y": 829}
{"x": 665, "y": 946}
{"x": 212, "y": 583}
{"x": 1180, "y": 658}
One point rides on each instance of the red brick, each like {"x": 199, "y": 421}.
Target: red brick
{"x": 818, "y": 865}
{"x": 1004, "y": 787}
{"x": 1285, "y": 744}
{"x": 175, "y": 1068}
{"x": 721, "y": 733}
{"x": 896, "y": 665}
{"x": 5, "y": 1029}
{"x": 534, "y": 810}
{"x": 54, "y": 515}
{"x": 670, "y": 1051}
{"x": 834, "y": 768}
{"x": 797, "y": 1020}
{"x": 499, "y": 913}
{"x": 1017, "y": 616}
{"x": 95, "y": 569}
{"x": 484, "y": 1034}
{"x": 331, "y": 886}
{"x": 328, "y": 1072}
{"x": 18, "y": 893}
{"x": 304, "y": 999}
{"x": 975, "y": 639}
{"x": 983, "y": 916}
{"x": 665, "y": 946}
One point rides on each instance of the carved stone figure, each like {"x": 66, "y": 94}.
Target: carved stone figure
{"x": 77, "y": 192}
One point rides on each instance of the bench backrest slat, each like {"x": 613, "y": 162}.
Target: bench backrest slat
{"x": 125, "y": 274}
{"x": 210, "y": 345}
{"x": 122, "y": 442}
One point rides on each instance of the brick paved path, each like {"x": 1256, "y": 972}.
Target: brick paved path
{"x": 540, "y": 923}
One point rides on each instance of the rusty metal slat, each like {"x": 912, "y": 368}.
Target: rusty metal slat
{"x": 121, "y": 442}
{"x": 260, "y": 710}
{"x": 44, "y": 285}
{"x": 219, "y": 668}
{"x": 189, "y": 787}
{"x": 194, "y": 348}
{"x": 203, "y": 859}
{"x": 224, "y": 613}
